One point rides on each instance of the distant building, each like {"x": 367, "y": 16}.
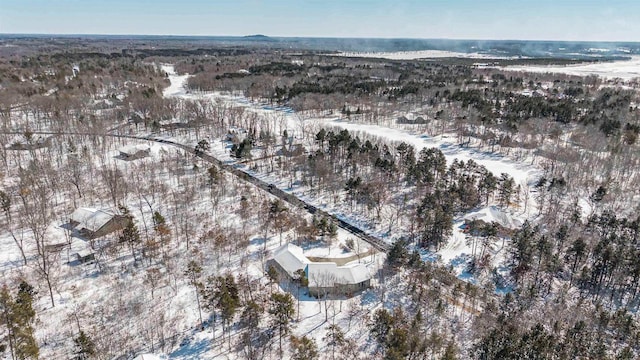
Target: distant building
{"x": 324, "y": 277}
{"x": 136, "y": 119}
{"x": 133, "y": 152}
{"x": 93, "y": 223}
{"x": 237, "y": 135}
{"x": 37, "y": 142}
{"x": 412, "y": 120}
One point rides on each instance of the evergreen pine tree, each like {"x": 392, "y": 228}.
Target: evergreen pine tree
{"x": 505, "y": 189}
{"x": 304, "y": 348}
{"x": 5, "y": 203}
{"x": 18, "y": 316}
{"x": 130, "y": 234}
{"x": 201, "y": 147}
{"x": 84, "y": 346}
{"x": 334, "y": 338}
{"x": 281, "y": 311}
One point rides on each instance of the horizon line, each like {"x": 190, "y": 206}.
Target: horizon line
{"x": 302, "y": 37}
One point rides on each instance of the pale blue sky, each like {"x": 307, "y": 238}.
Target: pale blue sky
{"x": 598, "y": 20}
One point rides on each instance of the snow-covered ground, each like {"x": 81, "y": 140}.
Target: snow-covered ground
{"x": 150, "y": 357}
{"x": 178, "y": 82}
{"x": 622, "y": 69}
{"x": 458, "y": 250}
{"x": 523, "y": 174}
{"x": 81, "y": 287}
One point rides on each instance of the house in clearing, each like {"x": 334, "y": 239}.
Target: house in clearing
{"x": 324, "y": 277}
{"x": 133, "y": 152}
{"x": 411, "y": 119}
{"x": 93, "y": 223}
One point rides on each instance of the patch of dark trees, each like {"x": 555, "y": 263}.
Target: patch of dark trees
{"x": 607, "y": 110}
{"x": 599, "y": 257}
{"x": 371, "y": 174}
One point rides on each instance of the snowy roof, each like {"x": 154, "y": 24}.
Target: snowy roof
{"x": 290, "y": 258}
{"x": 237, "y": 130}
{"x": 84, "y": 253}
{"x": 91, "y": 219}
{"x": 320, "y": 274}
{"x": 494, "y": 214}
{"x": 148, "y": 357}
{"x": 134, "y": 149}
{"x": 329, "y": 274}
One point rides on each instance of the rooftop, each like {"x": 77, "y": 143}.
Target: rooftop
{"x": 320, "y": 274}
{"x": 291, "y": 258}
{"x": 328, "y": 274}
{"x": 134, "y": 149}
{"x": 91, "y": 219}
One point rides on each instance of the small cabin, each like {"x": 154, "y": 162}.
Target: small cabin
{"x": 133, "y": 152}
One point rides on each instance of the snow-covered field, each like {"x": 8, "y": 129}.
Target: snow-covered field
{"x": 621, "y": 69}
{"x": 178, "y": 82}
